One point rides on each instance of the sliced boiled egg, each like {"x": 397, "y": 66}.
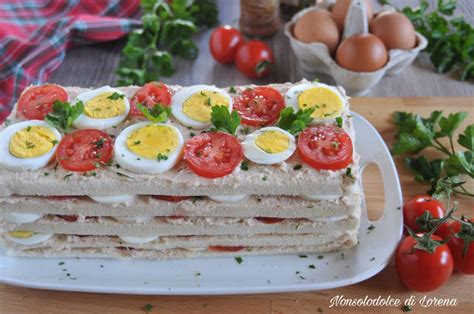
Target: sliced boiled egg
{"x": 104, "y": 107}
{"x": 28, "y": 145}
{"x": 228, "y": 198}
{"x": 149, "y": 147}
{"x": 192, "y": 105}
{"x": 269, "y": 145}
{"x": 327, "y": 101}
{"x": 138, "y": 240}
{"x": 136, "y": 219}
{"x": 113, "y": 199}
{"x": 27, "y": 237}
{"x": 21, "y": 218}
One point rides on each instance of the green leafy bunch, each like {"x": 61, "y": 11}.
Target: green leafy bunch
{"x": 445, "y": 175}
{"x": 63, "y": 115}
{"x": 166, "y": 31}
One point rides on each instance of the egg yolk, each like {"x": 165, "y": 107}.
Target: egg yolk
{"x": 21, "y": 234}
{"x": 32, "y": 141}
{"x": 104, "y": 107}
{"x": 326, "y": 103}
{"x": 198, "y": 106}
{"x": 273, "y": 142}
{"x": 153, "y": 141}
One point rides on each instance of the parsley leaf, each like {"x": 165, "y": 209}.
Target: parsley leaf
{"x": 223, "y": 120}
{"x": 63, "y": 115}
{"x": 116, "y": 96}
{"x": 295, "y": 122}
{"x": 157, "y": 114}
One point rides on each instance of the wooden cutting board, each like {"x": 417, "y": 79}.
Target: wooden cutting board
{"x": 378, "y": 111}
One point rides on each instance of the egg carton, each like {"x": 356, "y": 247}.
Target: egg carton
{"x": 315, "y": 57}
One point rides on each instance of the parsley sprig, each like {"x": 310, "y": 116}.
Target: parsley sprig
{"x": 166, "y": 30}
{"x": 295, "y": 122}
{"x": 157, "y": 114}
{"x": 444, "y": 174}
{"x": 223, "y": 120}
{"x": 63, "y": 115}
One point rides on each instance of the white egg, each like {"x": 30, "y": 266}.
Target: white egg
{"x": 323, "y": 112}
{"x": 272, "y": 154}
{"x": 320, "y": 197}
{"x": 136, "y": 219}
{"x": 113, "y": 199}
{"x": 180, "y": 98}
{"x": 138, "y": 240}
{"x": 13, "y": 163}
{"x": 86, "y": 122}
{"x": 130, "y": 160}
{"x": 21, "y": 218}
{"x": 35, "y": 238}
{"x": 228, "y": 198}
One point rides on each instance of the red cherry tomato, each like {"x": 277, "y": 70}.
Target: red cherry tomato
{"x": 420, "y": 270}
{"x": 254, "y": 59}
{"x": 36, "y": 102}
{"x": 269, "y": 220}
{"x": 220, "y": 248}
{"x": 171, "y": 198}
{"x": 149, "y": 95}
{"x": 82, "y": 150}
{"x": 224, "y": 42}
{"x": 213, "y": 154}
{"x": 325, "y": 147}
{"x": 259, "y": 106}
{"x": 415, "y": 208}
{"x": 462, "y": 263}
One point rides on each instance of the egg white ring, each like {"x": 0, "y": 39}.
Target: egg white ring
{"x": 320, "y": 197}
{"x": 136, "y": 219}
{"x": 85, "y": 122}
{"x": 228, "y": 198}
{"x": 291, "y": 98}
{"x": 112, "y": 199}
{"x": 138, "y": 240}
{"x": 10, "y": 162}
{"x": 259, "y": 156}
{"x": 181, "y": 96}
{"x": 136, "y": 163}
{"x": 36, "y": 238}
{"x": 21, "y": 218}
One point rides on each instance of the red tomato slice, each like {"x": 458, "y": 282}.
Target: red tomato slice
{"x": 325, "y": 147}
{"x": 171, "y": 198}
{"x": 269, "y": 220}
{"x": 213, "y": 154}
{"x": 36, "y": 102}
{"x": 220, "y": 248}
{"x": 149, "y": 95}
{"x": 259, "y": 106}
{"x": 82, "y": 150}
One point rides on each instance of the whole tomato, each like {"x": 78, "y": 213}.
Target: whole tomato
{"x": 224, "y": 42}
{"x": 462, "y": 238}
{"x": 254, "y": 59}
{"x": 426, "y": 269}
{"x": 414, "y": 218}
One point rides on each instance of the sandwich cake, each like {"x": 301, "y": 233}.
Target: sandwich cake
{"x": 160, "y": 172}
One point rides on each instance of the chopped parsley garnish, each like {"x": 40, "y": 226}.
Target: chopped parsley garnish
{"x": 192, "y": 134}
{"x": 157, "y": 114}
{"x": 295, "y": 122}
{"x": 99, "y": 143}
{"x": 28, "y": 129}
{"x": 54, "y": 142}
{"x": 63, "y": 115}
{"x": 137, "y": 142}
{"x": 339, "y": 122}
{"x": 232, "y": 90}
{"x": 349, "y": 173}
{"x": 372, "y": 259}
{"x": 197, "y": 274}
{"x": 123, "y": 175}
{"x": 116, "y": 96}
{"x": 370, "y": 228}
{"x": 312, "y": 266}
{"x": 245, "y": 130}
{"x": 303, "y": 256}
{"x": 407, "y": 308}
{"x": 239, "y": 259}
{"x": 320, "y": 256}
{"x": 244, "y": 165}
{"x": 309, "y": 206}
{"x": 29, "y": 145}
{"x": 223, "y": 120}
{"x": 61, "y": 263}
{"x": 264, "y": 178}
{"x": 67, "y": 176}
{"x": 148, "y": 308}
{"x": 161, "y": 157}
{"x": 97, "y": 164}
{"x": 209, "y": 102}
{"x": 342, "y": 255}
{"x": 297, "y": 167}
{"x": 46, "y": 174}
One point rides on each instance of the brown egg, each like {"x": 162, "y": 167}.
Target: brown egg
{"x": 317, "y": 26}
{"x": 361, "y": 53}
{"x": 395, "y": 30}
{"x": 340, "y": 8}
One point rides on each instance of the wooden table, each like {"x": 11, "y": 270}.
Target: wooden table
{"x": 378, "y": 112}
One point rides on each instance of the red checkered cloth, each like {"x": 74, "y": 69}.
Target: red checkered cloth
{"x": 34, "y": 36}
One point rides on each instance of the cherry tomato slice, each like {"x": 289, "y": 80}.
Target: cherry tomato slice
{"x": 83, "y": 150}
{"x": 149, "y": 95}
{"x": 224, "y": 42}
{"x": 325, "y": 147}
{"x": 220, "y": 248}
{"x": 259, "y": 106}
{"x": 171, "y": 198}
{"x": 269, "y": 220}
{"x": 36, "y": 102}
{"x": 213, "y": 154}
